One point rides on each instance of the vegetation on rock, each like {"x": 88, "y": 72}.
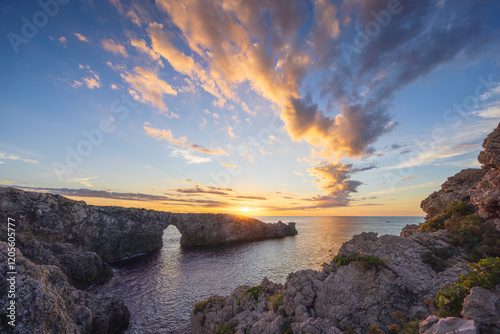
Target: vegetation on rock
{"x": 276, "y": 301}
{"x": 229, "y": 328}
{"x": 253, "y": 292}
{"x": 450, "y": 299}
{"x": 469, "y": 231}
{"x": 436, "y": 258}
{"x": 368, "y": 261}
{"x": 459, "y": 208}
{"x": 200, "y": 305}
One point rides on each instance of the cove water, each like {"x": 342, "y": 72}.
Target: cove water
{"x": 160, "y": 289}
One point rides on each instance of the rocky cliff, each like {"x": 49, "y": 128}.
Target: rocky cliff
{"x": 63, "y": 246}
{"x": 480, "y": 187}
{"x": 385, "y": 281}
{"x": 114, "y": 232}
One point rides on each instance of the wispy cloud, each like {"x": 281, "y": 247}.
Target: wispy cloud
{"x": 63, "y": 40}
{"x": 182, "y": 141}
{"x": 113, "y": 47}
{"x": 204, "y": 190}
{"x": 188, "y": 155}
{"x": 81, "y": 37}
{"x": 15, "y": 157}
{"x": 147, "y": 87}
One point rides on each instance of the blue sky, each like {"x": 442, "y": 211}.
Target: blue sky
{"x": 257, "y": 107}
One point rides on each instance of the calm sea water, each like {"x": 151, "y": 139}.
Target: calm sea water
{"x": 160, "y": 289}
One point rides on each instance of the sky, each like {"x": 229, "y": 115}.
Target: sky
{"x": 256, "y": 107}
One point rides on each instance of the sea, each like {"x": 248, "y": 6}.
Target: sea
{"x": 160, "y": 289}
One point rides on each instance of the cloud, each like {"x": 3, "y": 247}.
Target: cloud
{"x": 182, "y": 141}
{"x": 113, "y": 47}
{"x": 5, "y": 182}
{"x": 489, "y": 104}
{"x": 81, "y": 37}
{"x": 259, "y": 198}
{"x": 140, "y": 44}
{"x": 147, "y": 87}
{"x": 335, "y": 180}
{"x": 84, "y": 181}
{"x": 204, "y": 190}
{"x": 113, "y": 86}
{"x": 92, "y": 82}
{"x": 445, "y": 141}
{"x": 15, "y": 157}
{"x": 63, "y": 40}
{"x": 229, "y": 165}
{"x": 234, "y": 40}
{"x": 99, "y": 194}
{"x": 231, "y": 133}
{"x": 134, "y": 17}
{"x": 188, "y": 155}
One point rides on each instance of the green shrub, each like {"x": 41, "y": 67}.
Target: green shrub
{"x": 485, "y": 274}
{"x": 349, "y": 330}
{"x": 253, "y": 292}
{"x": 276, "y": 301}
{"x": 285, "y": 327}
{"x": 437, "y": 257}
{"x": 435, "y": 262}
{"x": 229, "y": 328}
{"x": 375, "y": 330}
{"x": 478, "y": 238}
{"x": 458, "y": 209}
{"x": 411, "y": 327}
{"x": 199, "y": 306}
{"x": 368, "y": 261}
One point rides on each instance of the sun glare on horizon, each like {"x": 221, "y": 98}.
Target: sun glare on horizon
{"x": 244, "y": 209}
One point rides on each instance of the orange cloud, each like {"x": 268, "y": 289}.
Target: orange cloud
{"x": 113, "y": 47}
{"x": 146, "y": 87}
{"x": 182, "y": 141}
{"x": 81, "y": 37}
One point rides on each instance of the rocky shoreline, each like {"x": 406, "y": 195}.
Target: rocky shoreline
{"x": 63, "y": 247}
{"x": 390, "y": 284}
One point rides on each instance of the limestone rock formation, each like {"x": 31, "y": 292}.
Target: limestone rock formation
{"x": 490, "y": 157}
{"x": 487, "y": 193}
{"x": 480, "y": 187}
{"x": 483, "y": 306}
{"x": 456, "y": 188}
{"x": 330, "y": 300}
{"x": 67, "y": 243}
{"x": 47, "y": 303}
{"x": 114, "y": 233}
{"x": 206, "y": 229}
{"x": 434, "y": 325}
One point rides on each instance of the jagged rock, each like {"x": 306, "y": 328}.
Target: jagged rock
{"x": 490, "y": 157}
{"x": 456, "y": 188}
{"x": 114, "y": 233}
{"x": 206, "y": 228}
{"x": 246, "y": 313}
{"x": 315, "y": 326}
{"x": 450, "y": 325}
{"x": 483, "y": 306}
{"x": 83, "y": 269}
{"x": 486, "y": 196}
{"x": 344, "y": 295}
{"x": 427, "y": 323}
{"x": 47, "y": 303}
{"x": 110, "y": 314}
